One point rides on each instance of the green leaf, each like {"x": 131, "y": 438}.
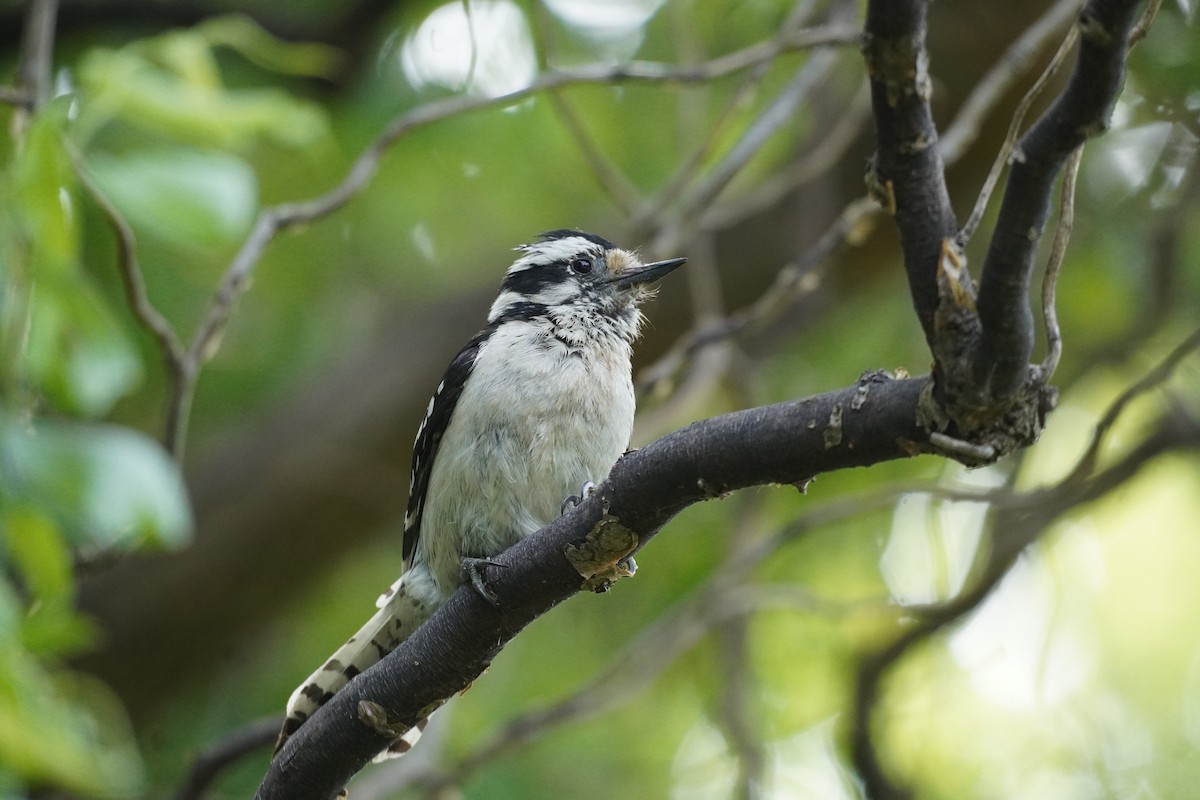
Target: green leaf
{"x": 76, "y": 351}
{"x": 108, "y": 487}
{"x": 253, "y": 43}
{"x": 188, "y": 197}
{"x": 171, "y": 86}
{"x": 37, "y": 548}
{"x": 44, "y": 192}
{"x": 63, "y": 731}
{"x": 56, "y": 629}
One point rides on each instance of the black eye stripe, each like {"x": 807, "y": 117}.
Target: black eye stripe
{"x": 529, "y": 282}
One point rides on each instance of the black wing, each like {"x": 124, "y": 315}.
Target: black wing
{"x": 437, "y": 419}
{"x": 429, "y": 435}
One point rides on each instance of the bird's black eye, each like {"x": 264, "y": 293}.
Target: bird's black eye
{"x": 580, "y": 266}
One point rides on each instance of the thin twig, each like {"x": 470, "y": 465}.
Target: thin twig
{"x": 827, "y": 151}
{"x": 1024, "y": 524}
{"x": 619, "y": 188}
{"x": 36, "y": 61}
{"x": 1014, "y": 131}
{"x": 169, "y": 343}
{"x": 647, "y": 222}
{"x": 232, "y": 748}
{"x": 1058, "y": 251}
{"x": 275, "y": 219}
{"x": 1143, "y": 24}
{"x": 182, "y": 366}
{"x": 997, "y": 361}
{"x": 1151, "y": 380}
{"x": 612, "y": 180}
{"x": 647, "y": 219}
{"x": 992, "y": 87}
{"x": 795, "y": 280}
{"x": 16, "y": 96}
{"x": 734, "y": 713}
{"x": 780, "y": 112}
{"x": 735, "y": 706}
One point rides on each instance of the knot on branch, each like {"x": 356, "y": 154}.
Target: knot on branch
{"x": 977, "y": 435}
{"x": 603, "y": 557}
{"x": 976, "y": 425}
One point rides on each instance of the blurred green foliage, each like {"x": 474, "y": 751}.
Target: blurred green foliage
{"x": 72, "y": 488}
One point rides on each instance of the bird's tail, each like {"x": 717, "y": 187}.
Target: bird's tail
{"x": 400, "y": 612}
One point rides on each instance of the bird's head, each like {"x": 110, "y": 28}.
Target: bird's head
{"x": 566, "y": 267}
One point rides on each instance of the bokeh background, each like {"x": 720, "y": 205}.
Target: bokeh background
{"x": 155, "y": 601}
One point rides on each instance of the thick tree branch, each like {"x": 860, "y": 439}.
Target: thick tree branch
{"x": 986, "y": 396}
{"x": 787, "y": 443}
{"x": 877, "y": 420}
{"x": 857, "y": 216}
{"x": 1001, "y": 361}
{"x": 908, "y": 174}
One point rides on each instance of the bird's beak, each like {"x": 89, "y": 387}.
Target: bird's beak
{"x": 645, "y": 273}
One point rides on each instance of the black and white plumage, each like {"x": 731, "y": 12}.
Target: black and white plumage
{"x": 533, "y": 406}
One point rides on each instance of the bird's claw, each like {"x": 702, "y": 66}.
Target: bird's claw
{"x": 572, "y": 500}
{"x": 474, "y": 570}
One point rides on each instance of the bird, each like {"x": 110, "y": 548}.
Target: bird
{"x": 537, "y": 404}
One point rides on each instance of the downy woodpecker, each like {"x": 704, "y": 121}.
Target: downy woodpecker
{"x": 536, "y": 404}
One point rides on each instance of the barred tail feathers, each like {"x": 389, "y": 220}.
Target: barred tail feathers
{"x": 399, "y": 614}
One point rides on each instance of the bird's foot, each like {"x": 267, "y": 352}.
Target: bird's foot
{"x": 574, "y": 500}
{"x": 474, "y": 570}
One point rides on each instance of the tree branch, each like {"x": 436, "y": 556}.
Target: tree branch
{"x": 877, "y": 420}
{"x": 276, "y": 219}
{"x": 985, "y": 392}
{"x": 785, "y": 443}
{"x": 1058, "y": 251}
{"x": 1000, "y": 78}
{"x": 1015, "y": 124}
{"x": 1021, "y": 520}
{"x": 1001, "y": 359}
{"x": 856, "y": 217}
{"x": 908, "y": 171}
{"x": 181, "y": 367}
{"x": 1017, "y": 526}
{"x": 227, "y": 752}
{"x": 37, "y": 53}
